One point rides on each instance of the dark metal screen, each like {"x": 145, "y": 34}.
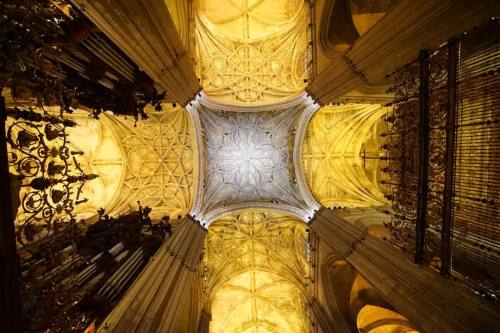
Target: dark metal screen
{"x": 443, "y": 159}
{"x": 475, "y": 210}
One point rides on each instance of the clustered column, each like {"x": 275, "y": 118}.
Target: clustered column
{"x": 145, "y": 31}
{"x": 155, "y": 301}
{"x": 428, "y": 300}
{"x": 204, "y": 323}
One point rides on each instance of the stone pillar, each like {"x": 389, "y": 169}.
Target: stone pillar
{"x": 145, "y": 31}
{"x": 324, "y": 320}
{"x": 395, "y": 40}
{"x": 155, "y": 301}
{"x": 429, "y": 301}
{"x": 204, "y": 323}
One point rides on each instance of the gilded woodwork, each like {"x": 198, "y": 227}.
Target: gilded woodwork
{"x": 88, "y": 148}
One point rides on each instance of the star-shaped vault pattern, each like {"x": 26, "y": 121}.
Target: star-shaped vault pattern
{"x": 248, "y": 156}
{"x": 159, "y": 163}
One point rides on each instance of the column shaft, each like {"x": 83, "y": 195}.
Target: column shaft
{"x": 145, "y": 31}
{"x": 204, "y": 324}
{"x": 155, "y": 300}
{"x": 430, "y": 301}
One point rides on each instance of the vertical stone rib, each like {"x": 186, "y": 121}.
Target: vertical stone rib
{"x": 396, "y": 39}
{"x": 154, "y": 301}
{"x": 430, "y": 301}
{"x": 145, "y": 31}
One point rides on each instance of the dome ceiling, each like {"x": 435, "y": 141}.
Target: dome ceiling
{"x": 248, "y": 159}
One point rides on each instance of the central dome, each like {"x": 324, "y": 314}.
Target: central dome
{"x": 249, "y": 158}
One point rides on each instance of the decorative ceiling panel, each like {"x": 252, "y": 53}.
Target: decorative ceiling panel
{"x": 256, "y": 269}
{"x": 340, "y": 155}
{"x": 249, "y": 158}
{"x": 160, "y": 166}
{"x": 252, "y": 51}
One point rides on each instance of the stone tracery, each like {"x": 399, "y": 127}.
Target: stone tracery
{"x": 249, "y": 158}
{"x": 257, "y": 262}
{"x": 246, "y": 55}
{"x": 343, "y": 169}
{"x": 159, "y": 163}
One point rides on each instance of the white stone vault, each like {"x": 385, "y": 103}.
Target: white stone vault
{"x": 249, "y": 157}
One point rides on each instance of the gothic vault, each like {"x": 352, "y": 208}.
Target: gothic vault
{"x": 249, "y": 166}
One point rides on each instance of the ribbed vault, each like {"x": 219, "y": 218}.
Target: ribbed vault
{"x": 252, "y": 51}
{"x": 248, "y": 158}
{"x": 256, "y": 272}
{"x": 341, "y": 155}
{"x": 160, "y": 162}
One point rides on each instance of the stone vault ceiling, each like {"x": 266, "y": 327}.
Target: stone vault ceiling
{"x": 159, "y": 162}
{"x": 340, "y": 155}
{"x": 256, "y": 268}
{"x": 252, "y": 51}
{"x": 248, "y": 158}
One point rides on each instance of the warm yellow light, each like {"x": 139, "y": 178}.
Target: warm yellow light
{"x": 340, "y": 155}
{"x": 256, "y": 270}
{"x": 251, "y": 51}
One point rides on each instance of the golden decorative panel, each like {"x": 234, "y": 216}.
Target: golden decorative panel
{"x": 251, "y": 51}
{"x": 340, "y": 155}
{"x": 256, "y": 270}
{"x": 159, "y": 162}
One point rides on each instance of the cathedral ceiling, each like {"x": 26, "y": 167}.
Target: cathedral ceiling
{"x": 340, "y": 155}
{"x": 248, "y": 159}
{"x": 252, "y": 51}
{"x": 151, "y": 161}
{"x": 256, "y": 270}
{"x": 159, "y": 157}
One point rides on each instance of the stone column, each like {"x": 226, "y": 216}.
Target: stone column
{"x": 155, "y": 301}
{"x": 324, "y": 320}
{"x": 429, "y": 301}
{"x": 204, "y": 323}
{"x": 395, "y": 40}
{"x": 145, "y": 31}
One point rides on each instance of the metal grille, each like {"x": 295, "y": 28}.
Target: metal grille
{"x": 476, "y": 181}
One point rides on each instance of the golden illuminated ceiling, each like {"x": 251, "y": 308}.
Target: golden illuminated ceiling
{"x": 159, "y": 157}
{"x": 256, "y": 273}
{"x": 340, "y": 155}
{"x": 251, "y": 51}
